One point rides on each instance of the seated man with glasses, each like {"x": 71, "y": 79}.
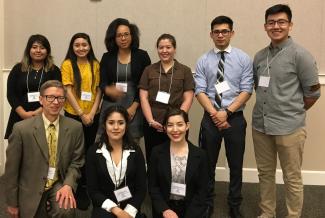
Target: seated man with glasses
{"x": 44, "y": 157}
{"x": 224, "y": 83}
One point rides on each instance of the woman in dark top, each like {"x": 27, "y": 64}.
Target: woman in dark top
{"x": 178, "y": 173}
{"x": 26, "y": 78}
{"x": 116, "y": 164}
{"x": 121, "y": 69}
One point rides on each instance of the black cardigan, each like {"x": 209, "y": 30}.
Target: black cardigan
{"x": 139, "y": 60}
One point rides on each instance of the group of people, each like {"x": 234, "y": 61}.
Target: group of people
{"x": 55, "y": 162}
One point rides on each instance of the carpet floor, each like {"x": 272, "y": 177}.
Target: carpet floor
{"x": 314, "y": 202}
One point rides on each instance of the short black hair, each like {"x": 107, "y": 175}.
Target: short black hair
{"x": 111, "y": 34}
{"x": 279, "y": 8}
{"x": 222, "y": 20}
{"x": 168, "y": 36}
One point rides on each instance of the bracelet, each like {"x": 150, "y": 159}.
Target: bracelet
{"x": 80, "y": 112}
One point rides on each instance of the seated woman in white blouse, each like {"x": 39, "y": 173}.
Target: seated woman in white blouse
{"x": 178, "y": 173}
{"x": 115, "y": 169}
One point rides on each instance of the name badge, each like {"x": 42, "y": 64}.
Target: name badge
{"x": 33, "y": 96}
{"x": 264, "y": 81}
{"x": 178, "y": 189}
{"x": 122, "y": 86}
{"x": 85, "y": 96}
{"x": 51, "y": 173}
{"x": 222, "y": 87}
{"x": 122, "y": 194}
{"x": 163, "y": 97}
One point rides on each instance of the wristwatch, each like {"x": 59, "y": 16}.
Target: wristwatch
{"x": 229, "y": 113}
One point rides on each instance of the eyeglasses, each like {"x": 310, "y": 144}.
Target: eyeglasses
{"x": 223, "y": 32}
{"x": 121, "y": 35}
{"x": 51, "y": 98}
{"x": 281, "y": 23}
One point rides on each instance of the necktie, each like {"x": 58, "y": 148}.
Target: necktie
{"x": 220, "y": 76}
{"x": 52, "y": 144}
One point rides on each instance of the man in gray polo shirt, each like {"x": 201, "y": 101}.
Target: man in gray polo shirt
{"x": 286, "y": 83}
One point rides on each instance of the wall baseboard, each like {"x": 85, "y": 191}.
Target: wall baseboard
{"x": 250, "y": 175}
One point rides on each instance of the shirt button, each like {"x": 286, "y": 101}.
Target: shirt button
{"x": 264, "y": 102}
{"x": 264, "y": 90}
{"x": 264, "y": 114}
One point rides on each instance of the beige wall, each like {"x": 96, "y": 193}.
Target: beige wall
{"x": 189, "y": 21}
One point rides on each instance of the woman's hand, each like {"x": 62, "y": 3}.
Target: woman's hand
{"x": 169, "y": 214}
{"x": 120, "y": 213}
{"x": 27, "y": 114}
{"x": 87, "y": 119}
{"x": 132, "y": 110}
{"x": 113, "y": 92}
{"x": 156, "y": 125}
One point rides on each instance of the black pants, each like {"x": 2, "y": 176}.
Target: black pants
{"x": 234, "y": 138}
{"x": 89, "y": 136}
{"x": 152, "y": 138}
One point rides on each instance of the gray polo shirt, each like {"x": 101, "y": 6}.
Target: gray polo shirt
{"x": 279, "y": 108}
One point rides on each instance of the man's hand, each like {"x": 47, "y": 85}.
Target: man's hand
{"x": 219, "y": 117}
{"x": 222, "y": 116}
{"x": 13, "y": 212}
{"x": 65, "y": 198}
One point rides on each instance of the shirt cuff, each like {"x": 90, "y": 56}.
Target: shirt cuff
{"x": 108, "y": 205}
{"x": 132, "y": 211}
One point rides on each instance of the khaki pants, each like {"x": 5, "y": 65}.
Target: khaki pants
{"x": 289, "y": 148}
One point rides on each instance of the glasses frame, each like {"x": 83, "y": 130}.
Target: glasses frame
{"x": 224, "y": 32}
{"x": 126, "y": 35}
{"x": 60, "y": 99}
{"x": 280, "y": 22}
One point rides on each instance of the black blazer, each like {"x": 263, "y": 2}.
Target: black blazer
{"x": 139, "y": 60}
{"x": 100, "y": 185}
{"x": 196, "y": 179}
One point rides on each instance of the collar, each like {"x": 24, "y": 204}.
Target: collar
{"x": 47, "y": 122}
{"x": 228, "y": 49}
{"x": 282, "y": 45}
{"x": 103, "y": 150}
{"x": 157, "y": 65}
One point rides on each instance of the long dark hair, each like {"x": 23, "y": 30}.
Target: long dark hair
{"x": 110, "y": 36}
{"x": 128, "y": 142}
{"x": 73, "y": 58}
{"x": 27, "y": 60}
